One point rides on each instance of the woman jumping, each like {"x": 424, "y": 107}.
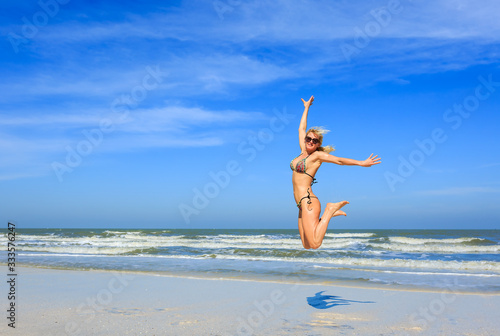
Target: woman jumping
{"x": 312, "y": 228}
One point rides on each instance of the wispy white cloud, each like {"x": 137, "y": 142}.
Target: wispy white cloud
{"x": 29, "y": 145}
{"x": 74, "y": 81}
{"x": 192, "y": 75}
{"x": 51, "y": 120}
{"x": 83, "y": 66}
{"x": 180, "y": 118}
{"x": 22, "y": 158}
{"x": 134, "y": 142}
{"x": 204, "y": 54}
{"x": 139, "y": 120}
{"x": 285, "y": 22}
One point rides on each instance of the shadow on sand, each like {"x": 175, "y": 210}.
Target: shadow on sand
{"x": 320, "y": 301}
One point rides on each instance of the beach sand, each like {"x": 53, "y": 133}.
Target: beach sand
{"x": 66, "y": 302}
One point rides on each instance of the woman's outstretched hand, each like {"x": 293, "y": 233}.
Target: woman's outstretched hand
{"x": 309, "y": 102}
{"x": 372, "y": 160}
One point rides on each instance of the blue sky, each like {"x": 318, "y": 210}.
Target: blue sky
{"x": 184, "y": 114}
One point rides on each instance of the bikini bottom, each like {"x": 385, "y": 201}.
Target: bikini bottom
{"x": 308, "y": 197}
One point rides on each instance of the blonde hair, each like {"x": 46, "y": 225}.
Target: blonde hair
{"x": 319, "y": 131}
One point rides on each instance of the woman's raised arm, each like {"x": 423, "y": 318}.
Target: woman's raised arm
{"x": 303, "y": 123}
{"x": 372, "y": 160}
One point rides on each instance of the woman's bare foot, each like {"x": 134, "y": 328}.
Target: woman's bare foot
{"x": 339, "y": 213}
{"x": 335, "y": 208}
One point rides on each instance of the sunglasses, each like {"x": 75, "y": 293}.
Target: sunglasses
{"x": 314, "y": 141}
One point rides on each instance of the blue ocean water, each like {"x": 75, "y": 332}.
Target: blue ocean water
{"x": 460, "y": 260}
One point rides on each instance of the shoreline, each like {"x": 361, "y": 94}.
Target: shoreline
{"x": 99, "y": 302}
{"x": 420, "y": 260}
{"x": 272, "y": 280}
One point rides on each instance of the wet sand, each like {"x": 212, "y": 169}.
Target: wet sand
{"x": 65, "y": 302}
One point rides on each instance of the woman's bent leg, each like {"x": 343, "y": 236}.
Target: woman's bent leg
{"x": 312, "y": 228}
{"x": 305, "y": 243}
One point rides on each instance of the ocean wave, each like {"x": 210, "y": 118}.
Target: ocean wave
{"x": 136, "y": 241}
{"x": 116, "y": 242}
{"x": 31, "y": 254}
{"x": 419, "y": 241}
{"x": 414, "y": 257}
{"x": 217, "y": 242}
{"x": 353, "y": 235}
{"x": 360, "y": 264}
{"x": 435, "y": 273}
{"x": 482, "y": 275}
{"x": 435, "y": 248}
{"x": 397, "y": 263}
{"x": 455, "y": 265}
{"x": 96, "y": 251}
